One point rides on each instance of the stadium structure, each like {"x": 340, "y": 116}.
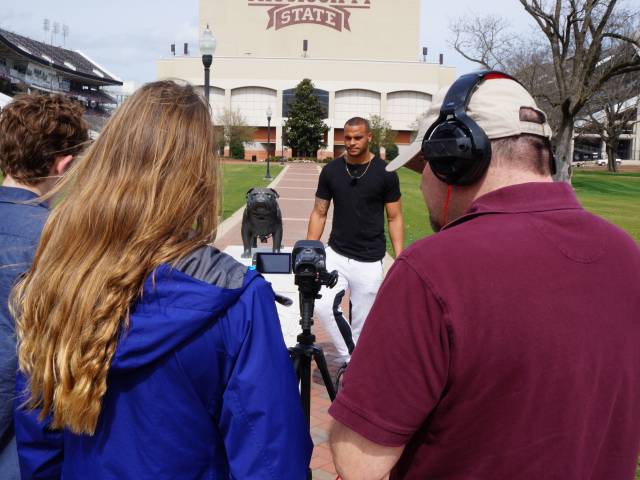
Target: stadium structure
{"x": 27, "y": 65}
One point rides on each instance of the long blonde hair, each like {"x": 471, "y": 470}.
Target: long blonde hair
{"x": 145, "y": 193}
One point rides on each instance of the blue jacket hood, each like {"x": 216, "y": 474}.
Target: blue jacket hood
{"x": 172, "y": 309}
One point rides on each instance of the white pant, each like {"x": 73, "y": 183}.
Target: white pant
{"x": 363, "y": 280}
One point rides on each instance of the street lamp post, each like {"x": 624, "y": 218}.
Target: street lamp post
{"x": 269, "y": 112}
{"x": 208, "y": 45}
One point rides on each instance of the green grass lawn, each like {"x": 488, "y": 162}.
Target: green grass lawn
{"x": 238, "y": 178}
{"x": 614, "y": 196}
{"x": 414, "y": 211}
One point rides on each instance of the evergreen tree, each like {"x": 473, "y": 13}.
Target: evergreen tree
{"x": 304, "y": 129}
{"x": 236, "y": 149}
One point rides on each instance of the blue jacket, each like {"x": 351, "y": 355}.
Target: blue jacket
{"x": 20, "y": 228}
{"x": 200, "y": 387}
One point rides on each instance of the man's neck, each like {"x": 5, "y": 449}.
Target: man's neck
{"x": 463, "y": 197}
{"x": 9, "y": 181}
{"x": 366, "y": 157}
{"x": 501, "y": 178}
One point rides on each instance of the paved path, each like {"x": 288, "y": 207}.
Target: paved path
{"x": 296, "y": 186}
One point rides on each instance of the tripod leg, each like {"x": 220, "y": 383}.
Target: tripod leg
{"x": 305, "y": 387}
{"x": 301, "y": 359}
{"x": 321, "y": 362}
{"x": 296, "y": 365}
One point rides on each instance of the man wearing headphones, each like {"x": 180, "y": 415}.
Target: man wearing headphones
{"x": 493, "y": 349}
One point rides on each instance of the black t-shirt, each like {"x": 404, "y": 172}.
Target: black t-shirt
{"x": 358, "y": 198}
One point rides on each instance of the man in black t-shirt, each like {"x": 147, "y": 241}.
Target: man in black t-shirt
{"x": 361, "y": 190}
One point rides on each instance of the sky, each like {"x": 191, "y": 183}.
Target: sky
{"x": 127, "y": 37}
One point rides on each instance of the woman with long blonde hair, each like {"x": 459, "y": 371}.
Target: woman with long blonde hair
{"x": 144, "y": 352}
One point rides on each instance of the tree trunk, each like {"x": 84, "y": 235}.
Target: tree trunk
{"x": 564, "y": 151}
{"x": 611, "y": 159}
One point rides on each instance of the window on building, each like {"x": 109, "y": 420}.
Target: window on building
{"x": 289, "y": 95}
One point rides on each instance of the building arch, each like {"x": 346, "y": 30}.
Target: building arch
{"x": 405, "y": 106}
{"x": 253, "y": 102}
{"x": 356, "y": 103}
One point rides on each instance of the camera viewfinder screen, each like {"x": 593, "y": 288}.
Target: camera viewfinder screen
{"x": 273, "y": 262}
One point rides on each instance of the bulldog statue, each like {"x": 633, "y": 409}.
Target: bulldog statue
{"x": 261, "y": 219}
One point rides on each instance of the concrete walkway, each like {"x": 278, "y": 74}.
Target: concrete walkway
{"x": 296, "y": 186}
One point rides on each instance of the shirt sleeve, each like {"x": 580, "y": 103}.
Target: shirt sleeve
{"x": 264, "y": 428}
{"x": 40, "y": 449}
{"x": 400, "y": 365}
{"x": 324, "y": 188}
{"x": 391, "y": 187}
{"x": 8, "y": 367}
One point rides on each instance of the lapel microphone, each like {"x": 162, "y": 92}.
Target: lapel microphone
{"x": 353, "y": 181}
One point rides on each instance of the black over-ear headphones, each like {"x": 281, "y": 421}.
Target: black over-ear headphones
{"x": 457, "y": 149}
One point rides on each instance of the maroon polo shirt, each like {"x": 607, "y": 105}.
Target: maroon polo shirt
{"x": 506, "y": 346}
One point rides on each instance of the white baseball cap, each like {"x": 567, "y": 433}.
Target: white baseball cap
{"x": 494, "y": 105}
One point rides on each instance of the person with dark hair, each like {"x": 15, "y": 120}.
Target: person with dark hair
{"x": 361, "y": 191}
{"x": 145, "y": 352}
{"x": 40, "y": 136}
{"x": 494, "y": 348}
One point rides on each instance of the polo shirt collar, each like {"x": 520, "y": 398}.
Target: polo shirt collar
{"x": 19, "y": 195}
{"x": 522, "y": 198}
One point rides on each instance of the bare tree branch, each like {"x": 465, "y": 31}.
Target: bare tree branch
{"x": 482, "y": 40}
{"x": 583, "y": 45}
{"x": 234, "y": 128}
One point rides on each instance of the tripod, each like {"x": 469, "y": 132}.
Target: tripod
{"x": 306, "y": 349}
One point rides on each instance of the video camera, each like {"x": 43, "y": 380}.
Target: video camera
{"x": 307, "y": 261}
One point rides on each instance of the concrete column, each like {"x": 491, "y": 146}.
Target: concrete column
{"x": 278, "y": 121}
{"x": 227, "y": 98}
{"x": 332, "y": 108}
{"x": 331, "y": 123}
{"x": 227, "y": 106}
{"x": 383, "y": 105}
{"x": 383, "y": 114}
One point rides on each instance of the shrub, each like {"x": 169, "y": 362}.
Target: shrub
{"x": 392, "y": 152}
{"x": 236, "y": 149}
